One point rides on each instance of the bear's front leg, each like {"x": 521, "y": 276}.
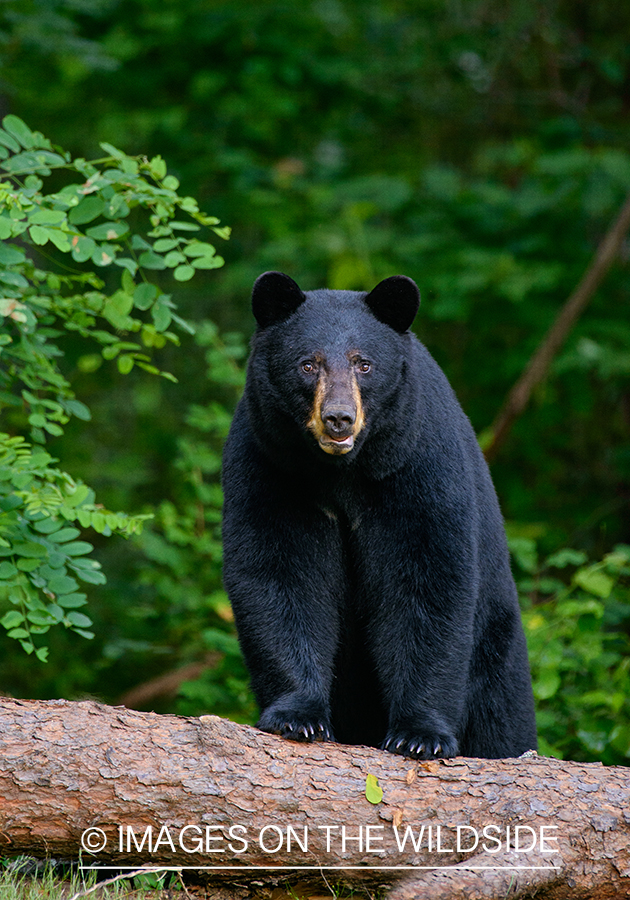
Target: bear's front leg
{"x": 426, "y": 702}
{"x": 288, "y": 629}
{"x": 419, "y": 581}
{"x": 423, "y": 662}
{"x": 283, "y": 570}
{"x": 287, "y": 617}
{"x": 298, "y": 718}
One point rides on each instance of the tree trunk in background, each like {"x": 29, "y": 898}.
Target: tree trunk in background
{"x": 208, "y": 792}
{"x": 167, "y": 684}
{"x": 538, "y": 365}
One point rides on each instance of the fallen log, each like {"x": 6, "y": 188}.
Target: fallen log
{"x": 124, "y": 788}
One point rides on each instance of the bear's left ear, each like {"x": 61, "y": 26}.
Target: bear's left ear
{"x": 274, "y": 298}
{"x": 395, "y": 302}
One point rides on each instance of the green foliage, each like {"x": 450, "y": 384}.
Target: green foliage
{"x": 580, "y": 658}
{"x": 27, "y": 878}
{"x": 182, "y": 547}
{"x": 41, "y": 558}
{"x": 480, "y": 148}
{"x": 496, "y": 250}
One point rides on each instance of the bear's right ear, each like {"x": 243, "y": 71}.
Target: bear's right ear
{"x": 274, "y": 298}
{"x": 395, "y": 301}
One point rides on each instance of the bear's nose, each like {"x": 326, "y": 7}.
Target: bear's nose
{"x": 339, "y": 420}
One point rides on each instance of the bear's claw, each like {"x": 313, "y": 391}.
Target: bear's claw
{"x": 295, "y": 727}
{"x": 420, "y": 748}
{"x": 304, "y": 733}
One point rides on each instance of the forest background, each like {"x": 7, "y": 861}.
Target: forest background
{"x": 481, "y": 147}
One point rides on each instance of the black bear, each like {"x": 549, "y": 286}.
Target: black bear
{"x": 364, "y": 550}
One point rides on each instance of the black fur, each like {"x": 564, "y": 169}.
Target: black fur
{"x": 371, "y": 588}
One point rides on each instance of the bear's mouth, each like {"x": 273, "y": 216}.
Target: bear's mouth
{"x": 336, "y": 445}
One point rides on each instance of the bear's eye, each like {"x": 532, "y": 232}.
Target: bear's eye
{"x": 308, "y": 367}
{"x": 364, "y": 366}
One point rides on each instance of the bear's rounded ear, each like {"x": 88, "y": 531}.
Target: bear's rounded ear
{"x": 395, "y": 301}
{"x": 274, "y": 298}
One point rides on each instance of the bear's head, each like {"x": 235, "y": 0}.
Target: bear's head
{"x": 331, "y": 361}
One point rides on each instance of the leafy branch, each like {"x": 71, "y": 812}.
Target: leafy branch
{"x": 124, "y": 215}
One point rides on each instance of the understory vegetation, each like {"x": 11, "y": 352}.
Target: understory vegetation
{"x": 154, "y": 159}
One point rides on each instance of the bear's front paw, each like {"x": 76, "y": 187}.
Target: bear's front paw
{"x": 295, "y": 725}
{"x": 435, "y": 746}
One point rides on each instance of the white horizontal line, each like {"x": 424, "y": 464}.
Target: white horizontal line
{"x": 459, "y": 867}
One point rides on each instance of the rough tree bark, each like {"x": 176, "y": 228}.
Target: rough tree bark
{"x": 207, "y": 792}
